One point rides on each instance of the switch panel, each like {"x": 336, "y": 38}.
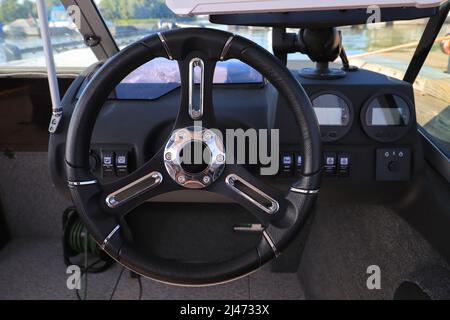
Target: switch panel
{"x": 112, "y": 162}
{"x": 336, "y": 164}
{"x": 393, "y": 164}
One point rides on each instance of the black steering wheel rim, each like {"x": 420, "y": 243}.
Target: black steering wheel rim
{"x": 88, "y": 194}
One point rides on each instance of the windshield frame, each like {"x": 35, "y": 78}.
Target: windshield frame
{"x": 93, "y": 28}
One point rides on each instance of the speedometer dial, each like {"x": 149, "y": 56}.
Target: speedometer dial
{"x": 334, "y": 115}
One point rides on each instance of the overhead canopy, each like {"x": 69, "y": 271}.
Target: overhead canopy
{"x": 214, "y": 7}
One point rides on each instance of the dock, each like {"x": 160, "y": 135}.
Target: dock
{"x": 431, "y": 88}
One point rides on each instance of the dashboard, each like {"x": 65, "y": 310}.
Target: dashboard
{"x": 367, "y": 123}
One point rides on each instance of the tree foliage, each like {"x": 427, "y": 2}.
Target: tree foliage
{"x": 135, "y": 9}
{"x": 11, "y": 10}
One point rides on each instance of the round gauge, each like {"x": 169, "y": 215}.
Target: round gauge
{"x": 334, "y": 115}
{"x": 386, "y": 117}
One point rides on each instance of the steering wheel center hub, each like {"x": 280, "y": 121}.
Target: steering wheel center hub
{"x": 194, "y": 157}
{"x": 192, "y": 163}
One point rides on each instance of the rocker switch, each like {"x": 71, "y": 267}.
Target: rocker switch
{"x": 122, "y": 163}
{"x": 287, "y": 164}
{"x": 107, "y": 163}
{"x": 330, "y": 165}
{"x": 343, "y": 165}
{"x": 298, "y": 163}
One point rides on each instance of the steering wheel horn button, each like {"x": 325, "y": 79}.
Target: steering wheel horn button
{"x": 256, "y": 196}
{"x": 194, "y": 157}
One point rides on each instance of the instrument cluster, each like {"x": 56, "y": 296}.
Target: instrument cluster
{"x": 385, "y": 117}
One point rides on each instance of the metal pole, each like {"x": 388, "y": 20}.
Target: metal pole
{"x": 51, "y": 70}
{"x": 426, "y": 42}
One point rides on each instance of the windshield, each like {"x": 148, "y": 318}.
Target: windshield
{"x": 20, "y": 42}
{"x": 130, "y": 20}
{"x": 370, "y": 46}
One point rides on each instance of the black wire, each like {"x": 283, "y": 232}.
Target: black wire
{"x": 77, "y": 291}
{"x": 86, "y": 263}
{"x": 140, "y": 287}
{"x": 139, "y": 279}
{"x": 117, "y": 283}
{"x": 105, "y": 266}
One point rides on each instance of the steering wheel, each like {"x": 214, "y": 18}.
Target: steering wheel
{"x": 103, "y": 206}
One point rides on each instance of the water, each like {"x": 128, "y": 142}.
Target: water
{"x": 355, "y": 40}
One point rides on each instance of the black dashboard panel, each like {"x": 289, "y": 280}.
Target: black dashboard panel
{"x": 129, "y": 132}
{"x": 356, "y": 149}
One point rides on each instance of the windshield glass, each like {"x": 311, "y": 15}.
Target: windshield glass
{"x": 21, "y": 44}
{"x": 386, "y": 48}
{"x": 141, "y": 17}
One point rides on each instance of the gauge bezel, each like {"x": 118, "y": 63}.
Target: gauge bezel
{"x": 331, "y": 133}
{"x": 387, "y": 133}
